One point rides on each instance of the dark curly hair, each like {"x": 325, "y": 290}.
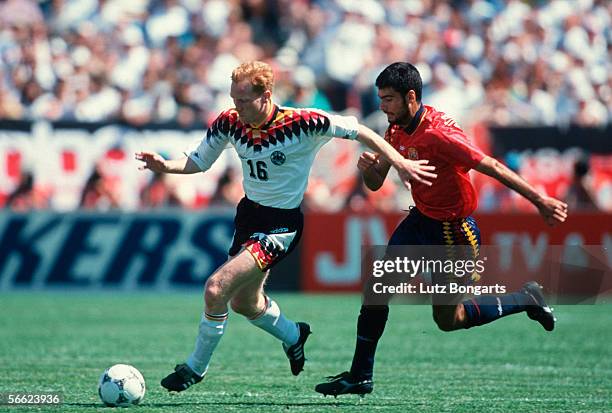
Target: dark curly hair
{"x": 401, "y": 77}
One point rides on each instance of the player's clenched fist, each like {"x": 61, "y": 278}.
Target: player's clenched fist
{"x": 367, "y": 160}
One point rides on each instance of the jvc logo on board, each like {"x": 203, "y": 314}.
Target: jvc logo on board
{"x": 358, "y": 231}
{"x": 339, "y": 265}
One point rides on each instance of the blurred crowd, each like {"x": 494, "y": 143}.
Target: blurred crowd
{"x": 96, "y": 175}
{"x": 144, "y": 62}
{"x": 502, "y": 62}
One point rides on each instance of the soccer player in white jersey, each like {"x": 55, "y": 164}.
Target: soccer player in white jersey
{"x": 277, "y": 146}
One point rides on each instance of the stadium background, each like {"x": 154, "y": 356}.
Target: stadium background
{"x": 86, "y": 83}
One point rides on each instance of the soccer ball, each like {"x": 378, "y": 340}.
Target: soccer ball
{"x": 121, "y": 385}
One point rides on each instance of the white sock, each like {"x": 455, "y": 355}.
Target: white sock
{"x": 275, "y": 323}
{"x": 210, "y": 332}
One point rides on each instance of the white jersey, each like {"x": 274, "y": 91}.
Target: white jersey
{"x": 276, "y": 156}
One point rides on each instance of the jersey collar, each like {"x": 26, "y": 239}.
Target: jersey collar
{"x": 268, "y": 120}
{"x": 416, "y": 121}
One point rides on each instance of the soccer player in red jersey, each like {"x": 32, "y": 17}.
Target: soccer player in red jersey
{"x": 441, "y": 217}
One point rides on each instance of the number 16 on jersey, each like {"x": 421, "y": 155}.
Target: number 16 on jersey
{"x": 258, "y": 170}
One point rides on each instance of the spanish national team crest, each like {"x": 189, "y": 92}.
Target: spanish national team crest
{"x": 413, "y": 154}
{"x": 278, "y": 158}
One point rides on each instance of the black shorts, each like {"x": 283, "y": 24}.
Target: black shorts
{"x": 461, "y": 241}
{"x": 419, "y": 229}
{"x": 267, "y": 233}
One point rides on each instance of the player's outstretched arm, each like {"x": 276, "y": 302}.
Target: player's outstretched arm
{"x": 552, "y": 210}
{"x": 156, "y": 163}
{"x": 407, "y": 169}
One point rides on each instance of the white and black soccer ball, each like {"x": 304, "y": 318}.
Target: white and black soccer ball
{"x": 121, "y": 385}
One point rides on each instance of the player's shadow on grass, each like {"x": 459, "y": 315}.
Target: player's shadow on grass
{"x": 324, "y": 402}
{"x": 332, "y": 402}
{"x": 220, "y": 403}
{"x": 95, "y": 405}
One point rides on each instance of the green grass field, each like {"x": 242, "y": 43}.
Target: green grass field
{"x": 62, "y": 342}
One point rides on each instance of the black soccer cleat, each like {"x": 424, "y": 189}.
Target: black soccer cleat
{"x": 181, "y": 379}
{"x": 344, "y": 383}
{"x": 539, "y": 312}
{"x": 295, "y": 353}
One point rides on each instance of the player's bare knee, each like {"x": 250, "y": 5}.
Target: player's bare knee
{"x": 213, "y": 292}
{"x": 460, "y": 315}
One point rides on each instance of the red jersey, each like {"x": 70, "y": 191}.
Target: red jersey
{"x": 434, "y": 136}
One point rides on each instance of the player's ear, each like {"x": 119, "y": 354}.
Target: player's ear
{"x": 411, "y": 96}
